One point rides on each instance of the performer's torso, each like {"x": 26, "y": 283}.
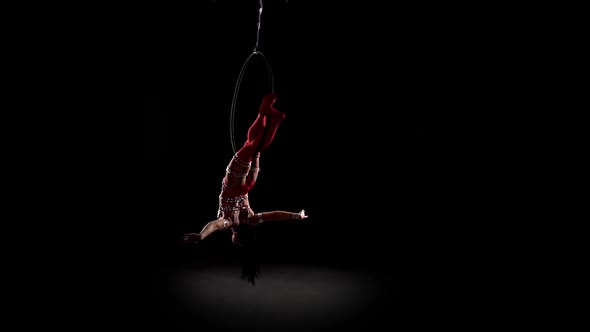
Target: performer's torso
{"x": 233, "y": 202}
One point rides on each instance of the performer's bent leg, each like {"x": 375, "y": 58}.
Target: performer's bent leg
{"x": 273, "y": 126}
{"x": 268, "y": 118}
{"x": 253, "y": 174}
{"x": 266, "y": 106}
{"x": 256, "y": 130}
{"x": 273, "y": 119}
{"x": 246, "y": 153}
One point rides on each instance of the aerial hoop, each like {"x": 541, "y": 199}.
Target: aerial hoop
{"x": 237, "y": 90}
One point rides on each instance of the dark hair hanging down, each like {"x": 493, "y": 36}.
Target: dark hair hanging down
{"x": 249, "y": 254}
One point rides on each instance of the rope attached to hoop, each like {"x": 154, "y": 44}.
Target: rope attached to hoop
{"x": 239, "y": 82}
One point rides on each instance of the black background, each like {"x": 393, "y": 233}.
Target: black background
{"x": 350, "y": 152}
{"x": 395, "y": 116}
{"x": 375, "y": 147}
{"x": 387, "y": 107}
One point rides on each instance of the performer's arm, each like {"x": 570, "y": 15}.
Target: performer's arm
{"x": 276, "y": 216}
{"x": 212, "y": 226}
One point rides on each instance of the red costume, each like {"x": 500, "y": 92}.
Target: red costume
{"x": 240, "y": 176}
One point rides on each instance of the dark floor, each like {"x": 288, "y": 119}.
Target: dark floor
{"x": 258, "y": 291}
{"x": 285, "y": 297}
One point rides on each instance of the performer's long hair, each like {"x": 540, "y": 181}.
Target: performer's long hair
{"x": 249, "y": 254}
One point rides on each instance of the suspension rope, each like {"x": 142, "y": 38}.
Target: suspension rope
{"x": 258, "y": 25}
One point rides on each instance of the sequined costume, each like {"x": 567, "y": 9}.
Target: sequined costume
{"x": 242, "y": 170}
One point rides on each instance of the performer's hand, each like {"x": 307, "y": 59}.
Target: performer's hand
{"x": 191, "y": 237}
{"x": 302, "y": 214}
